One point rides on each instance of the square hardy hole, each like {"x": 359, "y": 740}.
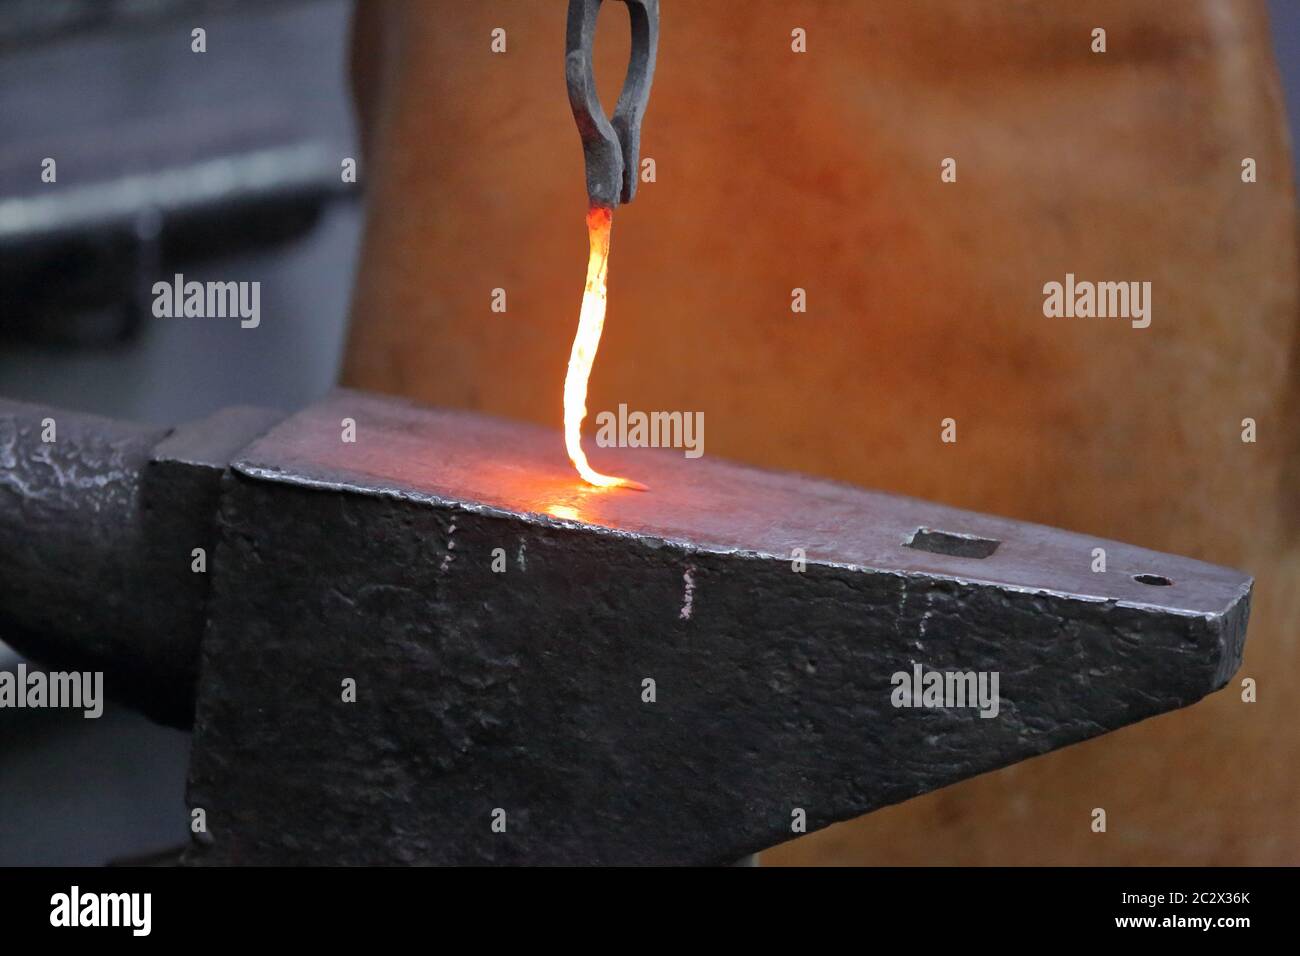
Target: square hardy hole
{"x": 948, "y": 542}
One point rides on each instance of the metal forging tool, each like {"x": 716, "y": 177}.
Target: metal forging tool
{"x": 608, "y": 678}
{"x": 611, "y": 146}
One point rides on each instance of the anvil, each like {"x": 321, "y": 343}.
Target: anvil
{"x": 417, "y": 637}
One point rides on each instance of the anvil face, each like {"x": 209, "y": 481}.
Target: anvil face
{"x": 550, "y": 673}
{"x": 480, "y": 463}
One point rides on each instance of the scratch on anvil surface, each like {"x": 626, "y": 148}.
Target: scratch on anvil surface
{"x": 688, "y": 599}
{"x": 902, "y": 608}
{"x": 451, "y": 546}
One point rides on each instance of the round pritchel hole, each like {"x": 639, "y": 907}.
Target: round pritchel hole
{"x": 1155, "y": 580}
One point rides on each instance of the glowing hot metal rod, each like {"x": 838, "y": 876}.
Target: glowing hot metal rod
{"x": 611, "y": 148}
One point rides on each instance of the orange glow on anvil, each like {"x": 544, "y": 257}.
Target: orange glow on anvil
{"x": 564, "y": 512}
{"x": 591, "y": 322}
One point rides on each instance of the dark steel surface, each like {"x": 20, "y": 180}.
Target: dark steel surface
{"x": 96, "y": 534}
{"x": 611, "y": 146}
{"x": 522, "y": 690}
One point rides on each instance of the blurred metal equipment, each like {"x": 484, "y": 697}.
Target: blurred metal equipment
{"x": 25, "y": 22}
{"x": 164, "y": 156}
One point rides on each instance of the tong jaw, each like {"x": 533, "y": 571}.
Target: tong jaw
{"x": 611, "y": 146}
